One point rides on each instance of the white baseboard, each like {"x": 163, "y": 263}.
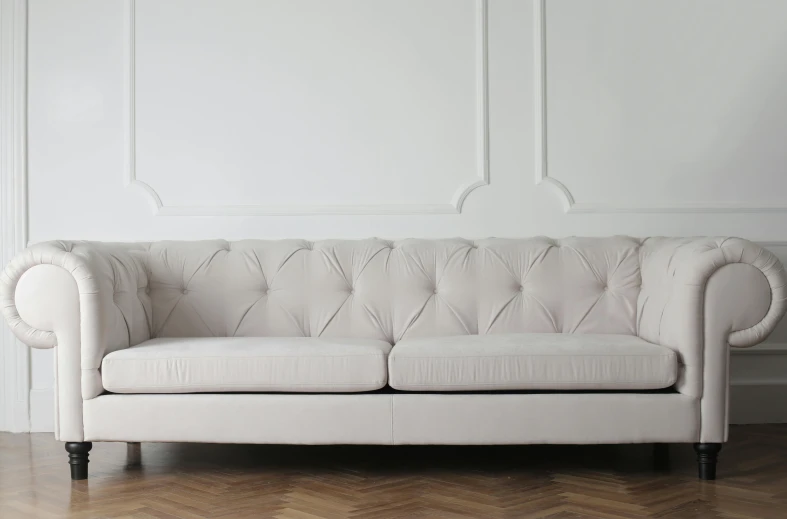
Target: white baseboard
{"x": 758, "y": 403}
{"x": 758, "y": 384}
{"x": 42, "y": 406}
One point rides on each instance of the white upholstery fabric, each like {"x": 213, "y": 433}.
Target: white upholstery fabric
{"x": 701, "y": 295}
{"x": 695, "y": 296}
{"x": 490, "y": 419}
{"x": 394, "y": 419}
{"x": 531, "y": 361}
{"x": 240, "y": 418}
{"x": 682, "y": 266}
{"x": 49, "y": 297}
{"x": 113, "y": 307}
{"x": 391, "y": 290}
{"x": 722, "y": 315}
{"x": 213, "y": 365}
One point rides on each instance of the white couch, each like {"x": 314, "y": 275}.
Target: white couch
{"x": 495, "y": 341}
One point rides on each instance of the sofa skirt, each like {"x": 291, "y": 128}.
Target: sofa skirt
{"x": 395, "y": 418}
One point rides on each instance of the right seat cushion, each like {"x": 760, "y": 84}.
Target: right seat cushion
{"x": 531, "y": 361}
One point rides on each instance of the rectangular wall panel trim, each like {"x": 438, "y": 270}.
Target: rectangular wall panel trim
{"x": 568, "y": 203}
{"x": 453, "y": 207}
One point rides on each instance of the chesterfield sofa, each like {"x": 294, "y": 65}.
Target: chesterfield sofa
{"x": 494, "y": 341}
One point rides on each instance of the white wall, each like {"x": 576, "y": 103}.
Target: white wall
{"x": 189, "y": 119}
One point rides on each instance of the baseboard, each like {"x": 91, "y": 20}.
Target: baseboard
{"x": 758, "y": 384}
{"x": 758, "y": 403}
{"x": 42, "y": 406}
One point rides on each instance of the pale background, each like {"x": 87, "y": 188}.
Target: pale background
{"x": 189, "y": 119}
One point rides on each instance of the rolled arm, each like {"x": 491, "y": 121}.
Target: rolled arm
{"x": 675, "y": 273}
{"x": 90, "y": 295}
{"x": 698, "y": 297}
{"x": 52, "y": 253}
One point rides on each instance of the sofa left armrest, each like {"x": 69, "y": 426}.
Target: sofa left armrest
{"x": 83, "y": 299}
{"x": 701, "y": 295}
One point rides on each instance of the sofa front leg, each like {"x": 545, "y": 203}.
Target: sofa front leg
{"x": 707, "y": 455}
{"x": 77, "y": 458}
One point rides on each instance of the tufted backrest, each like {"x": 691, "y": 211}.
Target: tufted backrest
{"x": 391, "y": 290}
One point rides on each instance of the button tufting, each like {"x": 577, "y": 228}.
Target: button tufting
{"x": 581, "y": 266}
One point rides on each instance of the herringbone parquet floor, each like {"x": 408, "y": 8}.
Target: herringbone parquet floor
{"x": 299, "y": 482}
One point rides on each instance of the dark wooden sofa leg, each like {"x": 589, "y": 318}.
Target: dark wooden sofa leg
{"x": 707, "y": 455}
{"x": 77, "y": 458}
{"x": 133, "y": 454}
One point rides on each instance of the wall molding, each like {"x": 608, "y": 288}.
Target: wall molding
{"x": 771, "y": 243}
{"x": 14, "y": 357}
{"x": 453, "y": 207}
{"x": 560, "y": 190}
{"x": 758, "y": 384}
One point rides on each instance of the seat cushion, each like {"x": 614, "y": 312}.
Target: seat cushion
{"x": 530, "y": 361}
{"x": 250, "y": 364}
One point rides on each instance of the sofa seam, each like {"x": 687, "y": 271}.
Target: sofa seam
{"x": 393, "y": 441}
{"x": 156, "y": 359}
{"x": 525, "y": 356}
{"x": 327, "y": 384}
{"x": 507, "y": 386}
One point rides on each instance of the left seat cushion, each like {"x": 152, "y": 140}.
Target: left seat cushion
{"x": 247, "y": 364}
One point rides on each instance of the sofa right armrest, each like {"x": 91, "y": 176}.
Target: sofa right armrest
{"x": 699, "y": 297}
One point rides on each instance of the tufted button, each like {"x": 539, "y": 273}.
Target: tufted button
{"x": 147, "y": 290}
{"x": 434, "y": 291}
{"x": 521, "y": 288}
{"x": 185, "y": 291}
{"x": 352, "y": 291}
{"x": 606, "y": 288}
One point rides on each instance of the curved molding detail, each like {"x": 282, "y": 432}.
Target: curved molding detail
{"x": 461, "y": 194}
{"x": 453, "y": 207}
{"x": 569, "y": 204}
{"x": 561, "y": 191}
{"x": 153, "y": 199}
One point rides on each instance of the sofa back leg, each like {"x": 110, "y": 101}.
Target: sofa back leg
{"x": 133, "y": 454}
{"x": 661, "y": 457}
{"x": 707, "y": 455}
{"x": 77, "y": 458}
